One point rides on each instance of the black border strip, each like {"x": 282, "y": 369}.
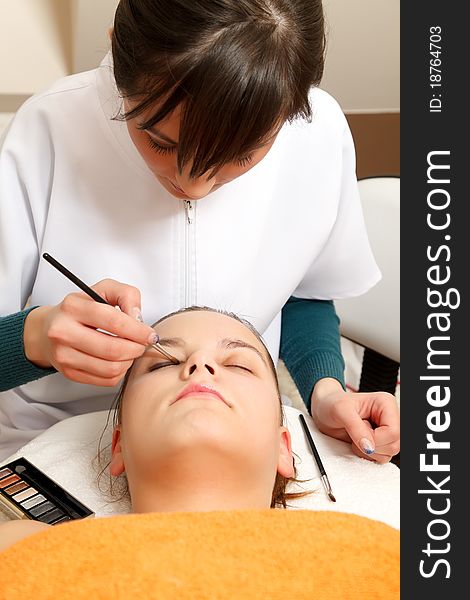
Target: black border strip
{"x": 433, "y": 130}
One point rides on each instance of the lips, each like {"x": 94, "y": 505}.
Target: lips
{"x": 183, "y": 194}
{"x": 178, "y": 189}
{"x": 198, "y": 389}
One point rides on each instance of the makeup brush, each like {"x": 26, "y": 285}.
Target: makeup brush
{"x": 323, "y": 475}
{"x": 88, "y": 290}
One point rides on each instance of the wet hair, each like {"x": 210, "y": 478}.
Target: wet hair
{"x": 279, "y": 494}
{"x": 238, "y": 68}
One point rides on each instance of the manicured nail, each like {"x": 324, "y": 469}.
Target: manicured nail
{"x": 366, "y": 446}
{"x": 153, "y": 338}
{"x": 137, "y": 314}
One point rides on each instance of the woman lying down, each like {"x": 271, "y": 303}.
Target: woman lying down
{"x": 204, "y": 434}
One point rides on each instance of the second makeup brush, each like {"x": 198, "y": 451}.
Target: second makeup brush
{"x": 323, "y": 475}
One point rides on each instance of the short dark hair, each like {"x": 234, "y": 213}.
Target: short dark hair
{"x": 238, "y": 68}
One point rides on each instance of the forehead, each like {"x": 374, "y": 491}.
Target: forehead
{"x": 208, "y": 326}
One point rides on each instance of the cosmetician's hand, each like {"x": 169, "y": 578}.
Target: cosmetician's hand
{"x": 66, "y": 337}
{"x": 369, "y": 420}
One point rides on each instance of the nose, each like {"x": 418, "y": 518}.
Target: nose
{"x": 196, "y": 187}
{"x": 199, "y": 364}
{"x": 193, "y": 368}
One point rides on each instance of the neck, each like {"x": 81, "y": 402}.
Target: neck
{"x": 199, "y": 491}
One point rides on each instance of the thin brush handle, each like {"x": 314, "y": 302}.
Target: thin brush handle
{"x": 88, "y": 290}
{"x": 312, "y": 445}
{"x": 165, "y": 353}
{"x": 74, "y": 279}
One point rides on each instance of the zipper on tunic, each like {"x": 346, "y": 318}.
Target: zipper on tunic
{"x": 189, "y": 211}
{"x": 189, "y": 253}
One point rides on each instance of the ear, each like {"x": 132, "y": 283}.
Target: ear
{"x": 285, "y": 465}
{"x": 117, "y": 461}
{"x": 110, "y": 33}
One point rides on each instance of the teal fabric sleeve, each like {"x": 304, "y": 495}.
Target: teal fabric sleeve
{"x": 15, "y": 368}
{"x": 311, "y": 343}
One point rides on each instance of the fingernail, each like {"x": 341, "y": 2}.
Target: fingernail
{"x": 153, "y": 338}
{"x": 366, "y": 446}
{"x": 137, "y": 314}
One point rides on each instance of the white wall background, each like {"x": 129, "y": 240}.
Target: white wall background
{"x": 34, "y": 44}
{"x": 362, "y": 67}
{"x": 91, "y": 20}
{"x": 42, "y": 40}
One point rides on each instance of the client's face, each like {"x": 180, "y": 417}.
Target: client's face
{"x": 214, "y": 415}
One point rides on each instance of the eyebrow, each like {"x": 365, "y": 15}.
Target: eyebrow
{"x": 234, "y": 343}
{"x": 172, "y": 342}
{"x": 170, "y": 141}
{"x": 162, "y": 135}
{"x": 228, "y": 343}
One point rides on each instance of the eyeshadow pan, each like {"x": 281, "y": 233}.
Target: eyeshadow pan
{"x": 25, "y": 494}
{"x": 66, "y": 518}
{"x": 4, "y": 473}
{"x": 41, "y": 509}
{"x": 6, "y": 482}
{"x": 25, "y": 491}
{"x": 33, "y": 501}
{"x": 51, "y": 516}
{"x": 17, "y": 487}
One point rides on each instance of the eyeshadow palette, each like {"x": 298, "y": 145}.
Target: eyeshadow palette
{"x": 27, "y": 493}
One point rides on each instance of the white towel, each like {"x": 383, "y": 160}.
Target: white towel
{"x": 66, "y": 452}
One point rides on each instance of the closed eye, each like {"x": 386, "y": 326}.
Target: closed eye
{"x": 159, "y": 148}
{"x": 246, "y": 160}
{"x": 240, "y": 367}
{"x": 160, "y": 365}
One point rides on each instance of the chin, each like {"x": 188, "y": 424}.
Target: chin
{"x": 203, "y": 429}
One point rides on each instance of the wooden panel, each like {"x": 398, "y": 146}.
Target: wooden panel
{"x": 10, "y": 103}
{"x": 377, "y": 140}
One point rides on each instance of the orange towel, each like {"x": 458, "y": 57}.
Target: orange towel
{"x": 242, "y": 555}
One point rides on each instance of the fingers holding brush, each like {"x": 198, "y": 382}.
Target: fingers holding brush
{"x": 127, "y": 297}
{"x": 82, "y": 309}
{"x": 84, "y": 368}
{"x": 65, "y": 337}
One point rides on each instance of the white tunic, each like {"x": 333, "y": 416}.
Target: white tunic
{"x": 73, "y": 184}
